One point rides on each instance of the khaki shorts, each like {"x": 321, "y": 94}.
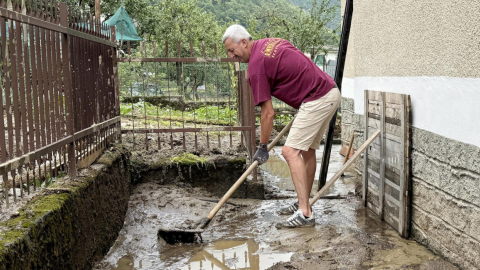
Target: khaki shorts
{"x": 312, "y": 121}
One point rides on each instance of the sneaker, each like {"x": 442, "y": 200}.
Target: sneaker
{"x": 288, "y": 210}
{"x": 297, "y": 220}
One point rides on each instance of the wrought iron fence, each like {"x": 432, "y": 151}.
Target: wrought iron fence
{"x": 59, "y": 101}
{"x": 187, "y": 97}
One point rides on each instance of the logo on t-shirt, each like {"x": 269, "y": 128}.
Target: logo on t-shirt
{"x": 271, "y": 46}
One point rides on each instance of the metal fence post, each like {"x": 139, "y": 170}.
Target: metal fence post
{"x": 115, "y": 81}
{"x": 252, "y": 120}
{"x": 68, "y": 91}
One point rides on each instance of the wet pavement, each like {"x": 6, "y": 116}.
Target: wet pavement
{"x": 243, "y": 236}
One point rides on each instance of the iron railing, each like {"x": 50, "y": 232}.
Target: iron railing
{"x": 184, "y": 98}
{"x": 59, "y": 94}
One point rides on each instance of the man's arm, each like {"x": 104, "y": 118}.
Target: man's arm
{"x": 268, "y": 114}
{"x": 266, "y": 129}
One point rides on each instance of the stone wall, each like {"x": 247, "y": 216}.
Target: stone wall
{"x": 446, "y": 197}
{"x": 446, "y": 191}
{"x": 71, "y": 223}
{"x": 216, "y": 174}
{"x": 352, "y": 122}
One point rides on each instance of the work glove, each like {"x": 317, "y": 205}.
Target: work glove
{"x": 261, "y": 155}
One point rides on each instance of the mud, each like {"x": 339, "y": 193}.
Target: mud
{"x": 243, "y": 236}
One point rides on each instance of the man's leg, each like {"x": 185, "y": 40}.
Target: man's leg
{"x": 310, "y": 161}
{"x": 302, "y": 180}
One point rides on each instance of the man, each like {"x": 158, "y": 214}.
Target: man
{"x": 276, "y": 68}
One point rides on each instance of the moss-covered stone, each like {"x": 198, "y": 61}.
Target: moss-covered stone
{"x": 188, "y": 159}
{"x": 69, "y": 230}
{"x": 238, "y": 161}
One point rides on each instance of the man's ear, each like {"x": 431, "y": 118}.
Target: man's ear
{"x": 244, "y": 42}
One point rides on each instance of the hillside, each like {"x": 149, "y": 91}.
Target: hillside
{"x": 306, "y": 4}
{"x": 241, "y": 10}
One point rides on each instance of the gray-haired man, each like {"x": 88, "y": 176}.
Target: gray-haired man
{"x": 276, "y": 68}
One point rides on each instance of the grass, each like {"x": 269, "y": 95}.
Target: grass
{"x": 204, "y": 114}
{"x": 213, "y": 115}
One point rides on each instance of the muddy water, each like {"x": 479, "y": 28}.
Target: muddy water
{"x": 243, "y": 236}
{"x": 279, "y": 184}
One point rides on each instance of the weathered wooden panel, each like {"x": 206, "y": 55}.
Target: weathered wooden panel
{"x": 392, "y": 190}
{"x": 391, "y": 173}
{"x": 386, "y": 162}
{"x": 392, "y": 110}
{"x": 393, "y": 130}
{"x": 392, "y": 220}
{"x": 374, "y": 178}
{"x": 391, "y": 158}
{"x": 373, "y": 197}
{"x": 392, "y": 145}
{"x": 389, "y": 97}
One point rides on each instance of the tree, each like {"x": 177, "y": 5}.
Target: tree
{"x": 140, "y": 11}
{"x": 307, "y": 30}
{"x": 183, "y": 21}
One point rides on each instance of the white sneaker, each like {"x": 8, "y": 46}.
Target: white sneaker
{"x": 297, "y": 220}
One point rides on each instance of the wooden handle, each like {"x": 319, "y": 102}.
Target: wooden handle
{"x": 246, "y": 173}
{"x": 344, "y": 167}
{"x": 349, "y": 148}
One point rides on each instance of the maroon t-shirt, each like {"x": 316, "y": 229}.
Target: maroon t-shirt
{"x": 276, "y": 68}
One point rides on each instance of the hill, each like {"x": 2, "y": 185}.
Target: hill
{"x": 307, "y": 4}
{"x": 226, "y": 11}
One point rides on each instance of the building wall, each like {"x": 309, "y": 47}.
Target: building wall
{"x": 431, "y": 51}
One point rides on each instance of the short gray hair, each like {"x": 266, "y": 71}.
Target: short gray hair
{"x": 236, "y": 32}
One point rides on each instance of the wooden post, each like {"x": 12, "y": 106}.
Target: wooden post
{"x": 365, "y": 155}
{"x": 383, "y": 147}
{"x": 403, "y": 172}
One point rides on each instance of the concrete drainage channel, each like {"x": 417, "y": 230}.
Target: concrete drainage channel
{"x": 74, "y": 222}
{"x": 118, "y": 205}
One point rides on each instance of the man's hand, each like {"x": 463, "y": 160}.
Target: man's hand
{"x": 261, "y": 155}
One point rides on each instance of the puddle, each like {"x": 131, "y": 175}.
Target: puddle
{"x": 234, "y": 254}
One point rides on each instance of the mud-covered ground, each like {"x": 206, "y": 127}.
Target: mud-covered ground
{"x": 243, "y": 235}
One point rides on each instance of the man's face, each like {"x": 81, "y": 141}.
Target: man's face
{"x": 237, "y": 50}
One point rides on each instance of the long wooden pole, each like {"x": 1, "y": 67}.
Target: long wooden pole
{"x": 349, "y": 149}
{"x": 344, "y": 167}
{"x": 241, "y": 179}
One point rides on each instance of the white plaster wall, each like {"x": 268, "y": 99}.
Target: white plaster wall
{"x": 428, "y": 49}
{"x": 348, "y": 88}
{"x": 446, "y": 106}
